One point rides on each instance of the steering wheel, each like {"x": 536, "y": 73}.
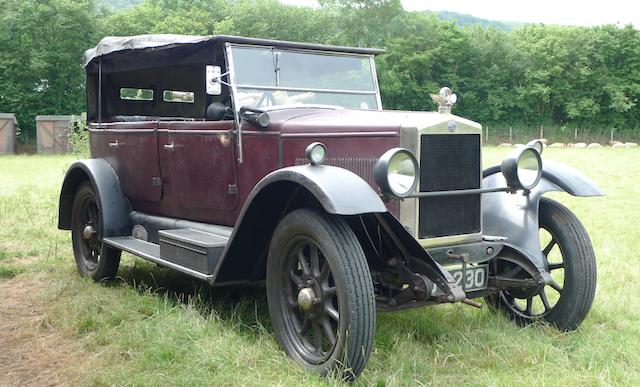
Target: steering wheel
{"x": 268, "y": 97}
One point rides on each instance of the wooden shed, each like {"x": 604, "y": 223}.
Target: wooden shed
{"x": 8, "y": 125}
{"x": 51, "y": 133}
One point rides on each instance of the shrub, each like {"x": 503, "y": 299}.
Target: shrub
{"x": 79, "y": 136}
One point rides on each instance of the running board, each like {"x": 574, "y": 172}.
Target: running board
{"x": 151, "y": 252}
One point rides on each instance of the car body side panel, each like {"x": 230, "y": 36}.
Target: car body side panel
{"x": 138, "y": 162}
{"x": 201, "y": 165}
{"x": 262, "y": 154}
{"x": 134, "y": 157}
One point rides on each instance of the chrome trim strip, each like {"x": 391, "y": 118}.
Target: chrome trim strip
{"x": 374, "y": 73}
{"x": 305, "y": 50}
{"x": 305, "y": 89}
{"x": 459, "y": 192}
{"x": 341, "y": 134}
{"x": 258, "y": 133}
{"x": 215, "y": 131}
{"x": 123, "y": 131}
{"x": 303, "y": 105}
{"x": 194, "y": 132}
{"x": 409, "y": 139}
{"x": 450, "y": 240}
{"x": 234, "y": 92}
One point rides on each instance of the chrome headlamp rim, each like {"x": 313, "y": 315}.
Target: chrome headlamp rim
{"x": 537, "y": 144}
{"x": 381, "y": 172}
{"x": 312, "y": 153}
{"x": 510, "y": 167}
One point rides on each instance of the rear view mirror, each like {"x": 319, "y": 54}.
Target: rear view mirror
{"x": 214, "y": 83}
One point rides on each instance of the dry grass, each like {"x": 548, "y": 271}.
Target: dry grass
{"x": 33, "y": 351}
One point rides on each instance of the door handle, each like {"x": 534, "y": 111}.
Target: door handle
{"x": 113, "y": 145}
{"x": 170, "y": 147}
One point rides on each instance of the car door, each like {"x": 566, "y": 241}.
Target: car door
{"x": 137, "y": 165}
{"x": 201, "y": 167}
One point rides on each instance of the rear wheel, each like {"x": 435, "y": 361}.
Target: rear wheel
{"x": 320, "y": 294}
{"x": 93, "y": 258}
{"x": 570, "y": 260}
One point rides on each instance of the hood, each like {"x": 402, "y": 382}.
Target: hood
{"x": 320, "y": 119}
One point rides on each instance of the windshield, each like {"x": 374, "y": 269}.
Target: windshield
{"x": 267, "y": 76}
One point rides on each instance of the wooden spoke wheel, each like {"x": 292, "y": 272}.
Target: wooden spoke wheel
{"x": 93, "y": 258}
{"x": 566, "y": 301}
{"x": 320, "y": 293}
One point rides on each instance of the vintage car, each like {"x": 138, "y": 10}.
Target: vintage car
{"x": 237, "y": 160}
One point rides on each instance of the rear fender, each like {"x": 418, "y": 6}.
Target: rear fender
{"x": 113, "y": 205}
{"x": 515, "y": 216}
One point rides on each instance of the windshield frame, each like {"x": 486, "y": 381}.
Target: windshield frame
{"x": 235, "y": 86}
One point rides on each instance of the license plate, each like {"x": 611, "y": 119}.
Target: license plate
{"x": 473, "y": 278}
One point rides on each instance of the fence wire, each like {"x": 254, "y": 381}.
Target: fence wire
{"x": 514, "y": 135}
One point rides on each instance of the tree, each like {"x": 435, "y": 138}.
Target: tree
{"x": 536, "y": 74}
{"x": 434, "y": 56}
{"x": 42, "y": 43}
{"x": 363, "y": 23}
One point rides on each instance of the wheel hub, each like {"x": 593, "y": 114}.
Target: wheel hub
{"x": 306, "y": 298}
{"x": 88, "y": 232}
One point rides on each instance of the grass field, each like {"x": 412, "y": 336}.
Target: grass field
{"x": 155, "y": 327}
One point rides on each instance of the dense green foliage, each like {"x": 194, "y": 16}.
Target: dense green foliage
{"x": 536, "y": 75}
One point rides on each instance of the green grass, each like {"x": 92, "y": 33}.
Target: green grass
{"x": 155, "y": 327}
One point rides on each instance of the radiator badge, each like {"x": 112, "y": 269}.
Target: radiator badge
{"x": 452, "y": 126}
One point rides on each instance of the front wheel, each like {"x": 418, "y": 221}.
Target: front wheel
{"x": 571, "y": 261}
{"x": 320, "y": 293}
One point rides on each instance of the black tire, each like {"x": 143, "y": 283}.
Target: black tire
{"x": 343, "y": 313}
{"x": 93, "y": 258}
{"x": 576, "y": 271}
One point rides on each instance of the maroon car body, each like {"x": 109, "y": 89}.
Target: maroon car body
{"x": 236, "y": 160}
{"x": 202, "y": 193}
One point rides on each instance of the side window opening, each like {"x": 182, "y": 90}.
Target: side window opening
{"x": 134, "y": 94}
{"x": 171, "y": 93}
{"x": 178, "y": 96}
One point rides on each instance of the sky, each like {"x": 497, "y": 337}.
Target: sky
{"x": 567, "y": 12}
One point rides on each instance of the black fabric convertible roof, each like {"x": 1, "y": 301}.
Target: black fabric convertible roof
{"x": 112, "y": 47}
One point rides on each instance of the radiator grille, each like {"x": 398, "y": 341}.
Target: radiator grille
{"x": 449, "y": 162}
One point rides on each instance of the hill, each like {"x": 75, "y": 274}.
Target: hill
{"x": 463, "y": 19}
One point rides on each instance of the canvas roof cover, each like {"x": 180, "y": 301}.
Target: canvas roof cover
{"x": 112, "y": 46}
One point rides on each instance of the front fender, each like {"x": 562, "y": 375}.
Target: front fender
{"x": 113, "y": 206}
{"x": 515, "y": 216}
{"x": 337, "y": 190}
